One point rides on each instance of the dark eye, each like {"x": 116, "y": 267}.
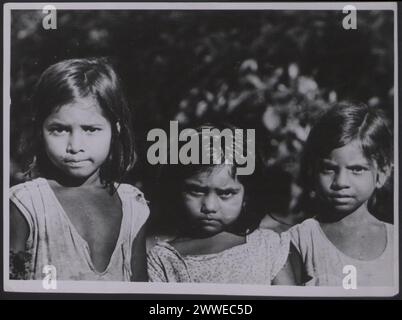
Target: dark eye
{"x": 327, "y": 169}
{"x": 58, "y": 130}
{"x": 194, "y": 191}
{"x": 91, "y": 129}
{"x": 358, "y": 170}
{"x": 226, "y": 194}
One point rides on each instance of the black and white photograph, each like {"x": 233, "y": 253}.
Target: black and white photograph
{"x": 195, "y": 148}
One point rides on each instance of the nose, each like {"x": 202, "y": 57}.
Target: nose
{"x": 75, "y": 142}
{"x": 209, "y": 204}
{"x": 341, "y": 180}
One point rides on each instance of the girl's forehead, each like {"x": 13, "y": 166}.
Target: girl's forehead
{"x": 219, "y": 176}
{"x": 84, "y": 103}
{"x": 350, "y": 152}
{"x": 81, "y": 110}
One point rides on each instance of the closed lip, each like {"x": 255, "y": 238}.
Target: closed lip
{"x": 75, "y": 160}
{"x": 341, "y": 199}
{"x": 76, "y": 163}
{"x": 341, "y": 196}
{"x": 208, "y": 220}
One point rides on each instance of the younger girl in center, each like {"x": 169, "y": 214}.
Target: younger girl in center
{"x": 217, "y": 239}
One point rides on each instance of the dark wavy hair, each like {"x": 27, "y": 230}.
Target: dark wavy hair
{"x": 68, "y": 80}
{"x": 343, "y": 123}
{"x": 170, "y": 179}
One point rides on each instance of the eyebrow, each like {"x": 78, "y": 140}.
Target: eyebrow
{"x": 200, "y": 186}
{"x": 232, "y": 189}
{"x": 330, "y": 162}
{"x": 62, "y": 124}
{"x": 191, "y": 186}
{"x": 365, "y": 165}
{"x": 51, "y": 125}
{"x": 194, "y": 184}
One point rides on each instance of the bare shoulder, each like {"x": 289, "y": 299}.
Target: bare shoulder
{"x": 16, "y": 217}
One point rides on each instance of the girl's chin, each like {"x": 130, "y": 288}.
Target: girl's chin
{"x": 341, "y": 206}
{"x": 76, "y": 177}
{"x": 206, "y": 231}
{"x": 337, "y": 214}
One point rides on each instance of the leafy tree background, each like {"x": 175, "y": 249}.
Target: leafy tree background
{"x": 273, "y": 71}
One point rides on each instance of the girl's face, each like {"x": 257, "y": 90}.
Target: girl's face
{"x": 346, "y": 179}
{"x": 77, "y": 138}
{"x": 212, "y": 200}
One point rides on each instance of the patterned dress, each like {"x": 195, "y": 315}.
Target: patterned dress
{"x": 257, "y": 261}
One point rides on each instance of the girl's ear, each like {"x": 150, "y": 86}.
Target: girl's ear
{"x": 382, "y": 176}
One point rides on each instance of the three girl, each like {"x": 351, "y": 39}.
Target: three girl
{"x": 76, "y": 215}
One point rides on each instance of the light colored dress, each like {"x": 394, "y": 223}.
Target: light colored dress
{"x": 257, "y": 261}
{"x": 53, "y": 239}
{"x": 325, "y": 263}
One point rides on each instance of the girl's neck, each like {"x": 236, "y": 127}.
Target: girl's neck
{"x": 193, "y": 233}
{"x": 360, "y": 216}
{"x": 66, "y": 181}
{"x": 214, "y": 237}
{"x": 208, "y": 245}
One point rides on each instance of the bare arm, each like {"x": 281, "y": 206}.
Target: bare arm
{"x": 19, "y": 232}
{"x": 139, "y": 258}
{"x": 291, "y": 273}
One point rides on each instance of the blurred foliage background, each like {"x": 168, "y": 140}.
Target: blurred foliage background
{"x": 273, "y": 71}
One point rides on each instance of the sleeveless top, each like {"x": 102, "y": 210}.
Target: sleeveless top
{"x": 326, "y": 265}
{"x": 257, "y": 261}
{"x": 53, "y": 239}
